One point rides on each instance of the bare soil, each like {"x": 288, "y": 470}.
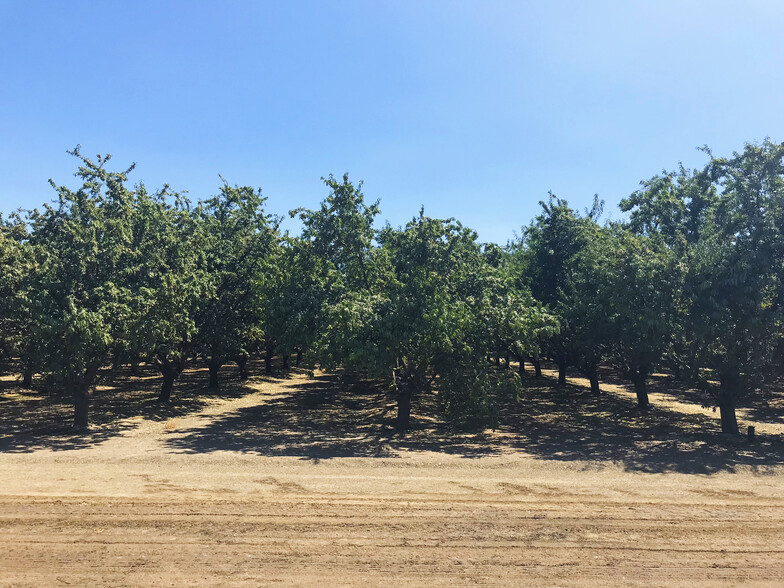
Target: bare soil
{"x": 302, "y": 480}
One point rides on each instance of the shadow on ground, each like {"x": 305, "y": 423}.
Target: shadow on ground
{"x": 333, "y": 416}
{"x": 567, "y": 423}
{"x": 345, "y": 415}
{"x": 35, "y": 419}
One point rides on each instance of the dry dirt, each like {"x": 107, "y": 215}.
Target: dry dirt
{"x": 301, "y": 481}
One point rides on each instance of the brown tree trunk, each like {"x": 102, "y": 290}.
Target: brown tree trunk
{"x": 641, "y": 390}
{"x": 81, "y": 404}
{"x": 729, "y": 420}
{"x": 213, "y": 366}
{"x": 285, "y": 361}
{"x": 498, "y": 361}
{"x": 242, "y": 364}
{"x": 594, "y": 379}
{"x": 168, "y": 384}
{"x": 537, "y": 368}
{"x": 521, "y": 368}
{"x": 299, "y": 356}
{"x": 81, "y": 390}
{"x": 27, "y": 377}
{"x": 81, "y": 398}
{"x": 268, "y": 361}
{"x": 562, "y": 372}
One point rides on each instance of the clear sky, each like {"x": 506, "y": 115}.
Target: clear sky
{"x": 472, "y": 109}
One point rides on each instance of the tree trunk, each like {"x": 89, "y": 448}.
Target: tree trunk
{"x": 135, "y": 369}
{"x": 594, "y": 379}
{"x": 497, "y": 361}
{"x": 27, "y": 378}
{"x": 166, "y": 388}
{"x": 285, "y": 361}
{"x": 521, "y": 368}
{"x": 403, "y": 408}
{"x": 82, "y": 398}
{"x": 729, "y": 420}
{"x": 299, "y": 356}
{"x": 537, "y": 368}
{"x": 268, "y": 361}
{"x": 641, "y": 390}
{"x": 242, "y": 364}
{"x": 213, "y": 366}
{"x": 81, "y": 403}
{"x": 562, "y": 372}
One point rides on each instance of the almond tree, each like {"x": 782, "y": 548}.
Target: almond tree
{"x": 82, "y": 299}
{"x": 239, "y": 240}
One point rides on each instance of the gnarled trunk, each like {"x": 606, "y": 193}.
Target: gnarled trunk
{"x": 285, "y": 361}
{"x": 299, "y": 356}
{"x": 521, "y": 367}
{"x": 537, "y": 368}
{"x": 170, "y": 370}
{"x": 167, "y": 386}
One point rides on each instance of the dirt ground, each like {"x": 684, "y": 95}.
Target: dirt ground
{"x": 303, "y": 481}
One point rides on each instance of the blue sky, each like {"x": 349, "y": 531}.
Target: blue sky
{"x": 472, "y": 109}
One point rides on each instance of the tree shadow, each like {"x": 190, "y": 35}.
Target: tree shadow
{"x": 348, "y": 415}
{"x": 32, "y": 419}
{"x": 567, "y": 423}
{"x": 334, "y": 415}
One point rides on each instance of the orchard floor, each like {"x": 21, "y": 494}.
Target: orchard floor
{"x": 303, "y": 481}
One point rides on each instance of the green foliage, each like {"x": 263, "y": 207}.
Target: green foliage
{"x": 239, "y": 243}
{"x": 735, "y": 270}
{"x": 692, "y": 280}
{"x": 82, "y": 295}
{"x": 18, "y": 262}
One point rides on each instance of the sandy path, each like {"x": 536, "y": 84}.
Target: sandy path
{"x": 136, "y": 510}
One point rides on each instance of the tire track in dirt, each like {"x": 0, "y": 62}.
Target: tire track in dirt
{"x": 360, "y": 541}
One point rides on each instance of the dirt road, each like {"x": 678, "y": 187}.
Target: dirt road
{"x": 146, "y": 507}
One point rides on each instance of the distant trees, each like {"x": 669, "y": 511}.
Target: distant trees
{"x": 692, "y": 281}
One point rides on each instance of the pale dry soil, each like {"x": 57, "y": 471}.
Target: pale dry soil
{"x": 223, "y": 496}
